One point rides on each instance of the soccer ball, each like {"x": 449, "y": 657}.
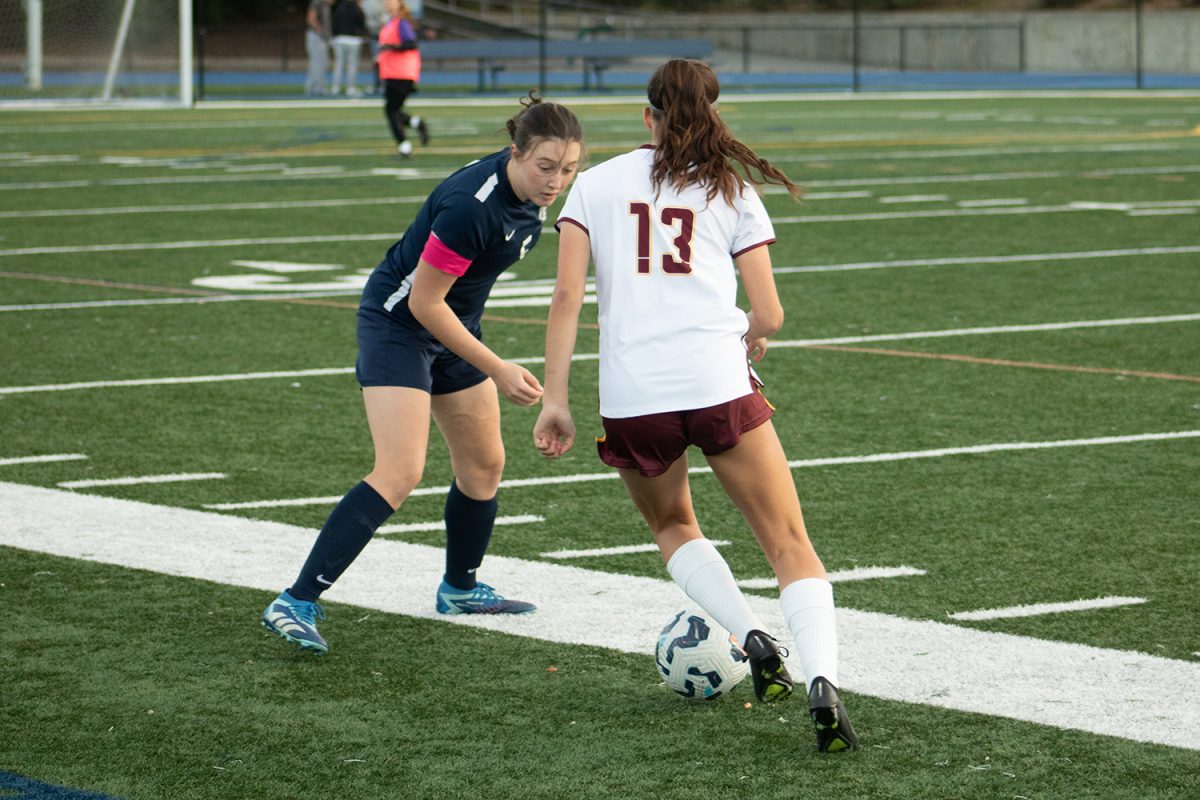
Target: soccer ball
{"x": 697, "y": 657}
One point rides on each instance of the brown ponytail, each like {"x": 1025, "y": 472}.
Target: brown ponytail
{"x": 694, "y": 143}
{"x": 538, "y": 120}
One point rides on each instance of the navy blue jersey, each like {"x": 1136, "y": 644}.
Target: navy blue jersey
{"x": 475, "y": 214}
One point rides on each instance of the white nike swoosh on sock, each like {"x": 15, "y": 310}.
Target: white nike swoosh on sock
{"x": 321, "y": 579}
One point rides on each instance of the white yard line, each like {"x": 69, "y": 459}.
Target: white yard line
{"x": 12, "y": 460}
{"x": 55, "y": 213}
{"x": 440, "y": 525}
{"x": 175, "y": 301}
{"x": 197, "y": 244}
{"x": 618, "y": 550}
{"x": 976, "y": 152}
{"x": 1037, "y": 609}
{"x": 548, "y": 283}
{"x": 288, "y": 174}
{"x": 987, "y": 331}
{"x": 940, "y": 213}
{"x": 124, "y": 247}
{"x": 915, "y": 198}
{"x": 842, "y": 576}
{"x": 783, "y": 344}
{"x": 990, "y": 177}
{"x": 1159, "y": 212}
{"x": 998, "y": 201}
{"x": 136, "y": 480}
{"x": 873, "y": 458}
{"x": 1020, "y": 258}
{"x": 1096, "y": 690}
{"x": 243, "y": 376}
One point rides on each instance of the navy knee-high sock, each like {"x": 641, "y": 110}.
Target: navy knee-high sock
{"x": 468, "y": 530}
{"x": 349, "y": 527}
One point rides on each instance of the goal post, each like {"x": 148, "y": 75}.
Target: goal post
{"x": 96, "y": 51}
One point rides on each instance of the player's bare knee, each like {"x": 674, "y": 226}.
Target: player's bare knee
{"x": 395, "y": 484}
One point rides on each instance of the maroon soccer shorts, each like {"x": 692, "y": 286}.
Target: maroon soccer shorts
{"x": 653, "y": 442}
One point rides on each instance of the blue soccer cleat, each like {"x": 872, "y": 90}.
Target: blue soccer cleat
{"x": 296, "y": 621}
{"x": 480, "y": 600}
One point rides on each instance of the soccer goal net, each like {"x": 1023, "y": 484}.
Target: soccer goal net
{"x": 106, "y": 51}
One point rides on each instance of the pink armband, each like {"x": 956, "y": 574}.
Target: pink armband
{"x": 437, "y": 254}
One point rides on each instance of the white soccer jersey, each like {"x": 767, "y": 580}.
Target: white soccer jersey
{"x": 670, "y": 329}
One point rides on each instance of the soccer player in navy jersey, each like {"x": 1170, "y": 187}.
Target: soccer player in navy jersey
{"x": 421, "y": 356}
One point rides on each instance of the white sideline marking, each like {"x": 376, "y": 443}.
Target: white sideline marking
{"x": 1095, "y": 689}
{"x": 1037, "y": 609}
{"x": 140, "y": 479}
{"x": 793, "y": 343}
{"x": 841, "y": 576}
{"x": 1013, "y": 259}
{"x": 4, "y": 462}
{"x": 875, "y": 458}
{"x": 620, "y": 550}
{"x": 440, "y": 525}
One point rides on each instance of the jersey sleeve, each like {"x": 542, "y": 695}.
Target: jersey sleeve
{"x": 459, "y": 234}
{"x": 754, "y": 228}
{"x": 574, "y": 210}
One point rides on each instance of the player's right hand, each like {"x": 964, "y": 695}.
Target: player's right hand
{"x": 554, "y": 432}
{"x": 517, "y": 384}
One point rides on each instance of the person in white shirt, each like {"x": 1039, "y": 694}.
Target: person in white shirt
{"x": 670, "y": 228}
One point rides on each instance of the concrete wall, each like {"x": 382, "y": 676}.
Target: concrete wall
{"x": 1041, "y": 41}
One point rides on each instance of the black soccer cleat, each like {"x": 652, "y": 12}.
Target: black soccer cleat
{"x": 834, "y": 732}
{"x": 772, "y": 682}
{"x": 423, "y": 131}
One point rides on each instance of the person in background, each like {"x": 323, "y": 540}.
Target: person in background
{"x": 400, "y": 71}
{"x": 670, "y": 227}
{"x": 421, "y": 358}
{"x": 349, "y": 31}
{"x": 376, "y": 16}
{"x": 316, "y": 44}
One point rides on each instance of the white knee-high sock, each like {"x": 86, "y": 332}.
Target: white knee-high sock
{"x": 705, "y": 577}
{"x": 808, "y": 609}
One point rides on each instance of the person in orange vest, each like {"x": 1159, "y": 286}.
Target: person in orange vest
{"x": 400, "y": 70}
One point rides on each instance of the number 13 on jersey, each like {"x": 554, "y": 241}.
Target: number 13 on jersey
{"x": 680, "y": 221}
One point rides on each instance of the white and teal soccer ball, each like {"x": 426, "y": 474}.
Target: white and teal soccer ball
{"x": 697, "y": 657}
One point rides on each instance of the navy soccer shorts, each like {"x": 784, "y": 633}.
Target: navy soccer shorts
{"x": 393, "y": 354}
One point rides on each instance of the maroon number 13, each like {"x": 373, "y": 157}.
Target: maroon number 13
{"x": 681, "y": 262}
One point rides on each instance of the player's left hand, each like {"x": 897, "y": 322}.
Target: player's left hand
{"x": 756, "y": 348}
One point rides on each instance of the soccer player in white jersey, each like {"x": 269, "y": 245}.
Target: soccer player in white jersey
{"x": 421, "y": 355}
{"x": 670, "y": 227}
